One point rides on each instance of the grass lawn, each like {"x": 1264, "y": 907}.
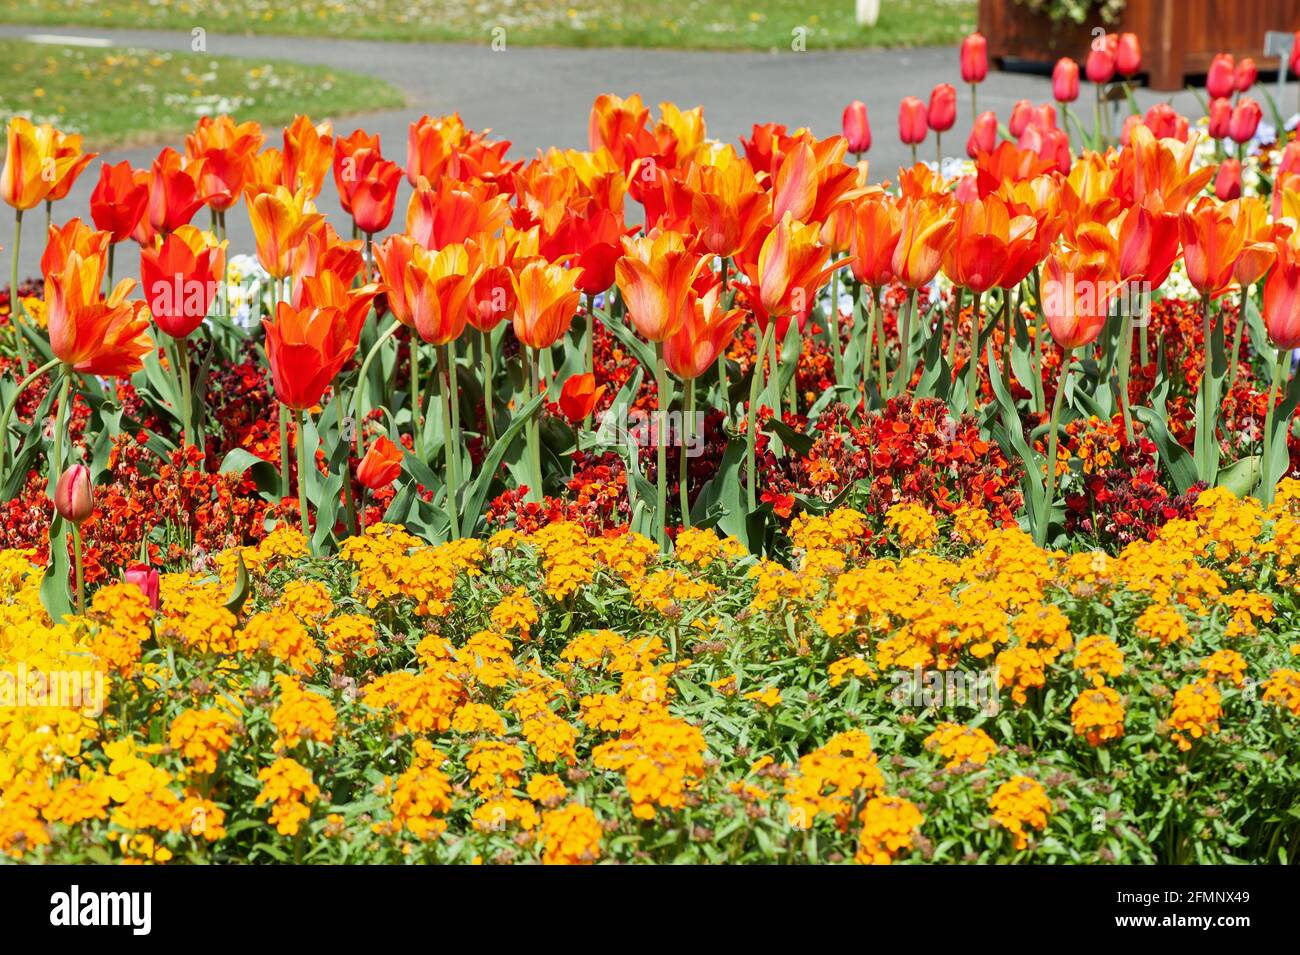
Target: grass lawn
{"x": 119, "y": 96}
{"x": 688, "y": 24}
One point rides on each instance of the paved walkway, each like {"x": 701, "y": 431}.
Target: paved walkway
{"x": 539, "y": 97}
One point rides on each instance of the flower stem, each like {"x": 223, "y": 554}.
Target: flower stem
{"x": 16, "y": 307}
{"x": 388, "y": 333}
{"x": 683, "y": 472}
{"x": 491, "y": 425}
{"x": 661, "y": 444}
{"x": 450, "y": 438}
{"x": 903, "y": 373}
{"x": 1040, "y": 525}
{"x": 12, "y": 404}
{"x": 534, "y": 437}
{"x": 1266, "y": 487}
{"x": 302, "y": 479}
{"x": 751, "y": 424}
{"x": 878, "y": 322}
{"x": 1125, "y": 360}
{"x": 417, "y": 432}
{"x": 972, "y": 368}
{"x": 81, "y": 576}
{"x": 1234, "y": 356}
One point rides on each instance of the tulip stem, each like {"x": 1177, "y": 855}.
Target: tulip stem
{"x": 773, "y": 371}
{"x": 12, "y": 404}
{"x": 1143, "y": 352}
{"x": 81, "y": 576}
{"x": 1040, "y": 525}
{"x": 1266, "y": 487}
{"x": 450, "y": 436}
{"x": 16, "y": 307}
{"x": 837, "y": 357}
{"x": 878, "y": 321}
{"x": 972, "y": 368}
{"x": 1125, "y": 360}
{"x": 362, "y": 382}
{"x": 534, "y": 438}
{"x": 683, "y": 474}
{"x": 661, "y": 443}
{"x": 60, "y": 413}
{"x": 491, "y": 425}
{"x": 591, "y": 344}
{"x": 903, "y": 373}
{"x": 302, "y": 478}
{"x": 1234, "y": 356}
{"x": 417, "y": 433}
{"x": 751, "y": 422}
{"x": 108, "y": 274}
{"x": 187, "y": 400}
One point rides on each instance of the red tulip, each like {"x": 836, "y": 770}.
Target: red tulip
{"x": 306, "y": 348}
{"x": 943, "y": 108}
{"x": 119, "y": 200}
{"x": 1065, "y": 80}
{"x": 1221, "y": 80}
{"x": 857, "y": 129}
{"x": 1246, "y": 116}
{"x": 1128, "y": 54}
{"x": 1227, "y": 183}
{"x": 1220, "y": 117}
{"x": 912, "y": 123}
{"x": 381, "y": 465}
{"x": 983, "y": 135}
{"x": 1022, "y": 114}
{"x": 375, "y": 195}
{"x": 1246, "y": 74}
{"x": 578, "y": 397}
{"x": 180, "y": 278}
{"x": 1100, "y": 66}
{"x": 1282, "y": 298}
{"x": 147, "y": 579}
{"x": 74, "y": 497}
{"x": 974, "y": 58}
{"x": 1295, "y": 54}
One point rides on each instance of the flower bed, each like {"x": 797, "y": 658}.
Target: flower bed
{"x": 817, "y": 519}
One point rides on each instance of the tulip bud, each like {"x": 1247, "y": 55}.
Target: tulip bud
{"x": 943, "y": 108}
{"x": 578, "y": 397}
{"x": 857, "y": 129}
{"x": 1221, "y": 79}
{"x": 911, "y": 121}
{"x": 74, "y": 497}
{"x": 1227, "y": 184}
{"x": 1246, "y": 74}
{"x": 1245, "y": 120}
{"x": 1128, "y": 54}
{"x": 1290, "y": 161}
{"x": 1126, "y": 131}
{"x": 974, "y": 58}
{"x": 146, "y": 578}
{"x": 1100, "y": 66}
{"x": 1295, "y": 53}
{"x": 1065, "y": 80}
{"x": 1044, "y": 117}
{"x": 1220, "y": 117}
{"x": 983, "y": 135}
{"x": 1021, "y": 115}
{"x": 381, "y": 466}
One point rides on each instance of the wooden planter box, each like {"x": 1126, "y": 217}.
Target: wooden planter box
{"x": 1179, "y": 37}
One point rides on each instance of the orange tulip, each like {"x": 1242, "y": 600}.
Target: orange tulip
{"x": 91, "y": 334}
{"x": 181, "y": 277}
{"x": 73, "y": 236}
{"x": 1148, "y": 243}
{"x": 693, "y": 348}
{"x": 493, "y": 295}
{"x": 227, "y": 149}
{"x": 431, "y": 147}
{"x": 454, "y": 211}
{"x": 35, "y": 162}
{"x": 654, "y": 277}
{"x": 876, "y": 224}
{"x": 322, "y": 250}
{"x": 119, "y": 200}
{"x": 1260, "y": 246}
{"x": 728, "y": 205}
{"x": 429, "y": 291}
{"x": 812, "y": 180}
{"x": 266, "y": 170}
{"x": 619, "y": 125}
{"x": 327, "y": 289}
{"x": 308, "y": 151}
{"x": 1078, "y": 289}
{"x": 1089, "y": 193}
{"x": 1212, "y": 242}
{"x": 68, "y": 145}
{"x": 547, "y": 299}
{"x": 986, "y": 233}
{"x": 1164, "y": 166}
{"x": 579, "y": 396}
{"x": 1282, "y": 299}
{"x": 353, "y": 155}
{"x": 306, "y": 349}
{"x": 175, "y": 194}
{"x": 280, "y": 219}
{"x": 924, "y": 233}
{"x": 381, "y": 466}
{"x": 374, "y": 196}
{"x": 791, "y": 269}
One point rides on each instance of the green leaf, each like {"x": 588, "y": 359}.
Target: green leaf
{"x": 56, "y": 596}
{"x": 642, "y": 352}
{"x": 472, "y": 510}
{"x": 1241, "y": 476}
{"x": 264, "y": 474}
{"x": 243, "y": 586}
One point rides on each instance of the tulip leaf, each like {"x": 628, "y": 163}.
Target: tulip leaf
{"x": 641, "y": 351}
{"x": 1176, "y": 460}
{"x": 243, "y": 586}
{"x": 1240, "y": 476}
{"x": 264, "y": 474}
{"x": 476, "y": 492}
{"x": 56, "y": 596}
{"x": 1279, "y": 461}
